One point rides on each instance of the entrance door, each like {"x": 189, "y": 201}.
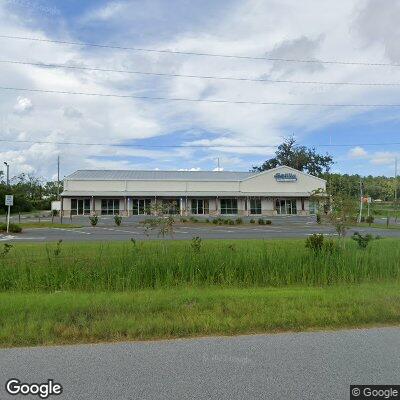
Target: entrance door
{"x": 286, "y": 206}
{"x": 80, "y": 206}
{"x": 141, "y": 206}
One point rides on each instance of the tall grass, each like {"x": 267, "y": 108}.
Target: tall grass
{"x": 164, "y": 264}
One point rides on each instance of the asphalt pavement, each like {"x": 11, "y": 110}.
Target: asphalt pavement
{"x": 320, "y": 365}
{"x": 281, "y": 227}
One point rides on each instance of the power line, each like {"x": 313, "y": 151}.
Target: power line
{"x": 190, "y": 145}
{"x": 192, "y": 53}
{"x": 217, "y": 101}
{"x": 211, "y": 77}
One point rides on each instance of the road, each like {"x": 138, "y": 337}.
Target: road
{"x": 296, "y": 366}
{"x": 107, "y": 231}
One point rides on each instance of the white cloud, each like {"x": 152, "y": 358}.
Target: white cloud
{"x": 384, "y": 158}
{"x": 23, "y": 105}
{"x": 357, "y": 152}
{"x": 291, "y": 29}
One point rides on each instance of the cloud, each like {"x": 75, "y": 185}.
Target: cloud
{"x": 71, "y": 112}
{"x": 23, "y": 105}
{"x": 384, "y": 158}
{"x": 357, "y": 152}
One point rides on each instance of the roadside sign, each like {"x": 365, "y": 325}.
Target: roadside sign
{"x": 9, "y": 200}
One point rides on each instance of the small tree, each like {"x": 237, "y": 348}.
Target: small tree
{"x": 94, "y": 219}
{"x": 162, "y": 220}
{"x": 117, "y": 219}
{"x": 369, "y": 220}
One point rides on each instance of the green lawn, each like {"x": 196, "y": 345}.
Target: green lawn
{"x": 47, "y": 224}
{"x": 74, "y": 317}
{"x": 90, "y": 292}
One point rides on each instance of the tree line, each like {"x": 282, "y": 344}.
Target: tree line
{"x": 30, "y": 193}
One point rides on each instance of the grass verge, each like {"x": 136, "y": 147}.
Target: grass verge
{"x": 29, "y": 319}
{"x": 47, "y": 225}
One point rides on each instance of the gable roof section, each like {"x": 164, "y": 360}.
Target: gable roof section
{"x": 101, "y": 175}
{"x": 296, "y": 171}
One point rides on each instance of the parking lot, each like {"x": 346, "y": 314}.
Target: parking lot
{"x": 106, "y": 230}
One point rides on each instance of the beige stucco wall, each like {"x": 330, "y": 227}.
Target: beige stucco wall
{"x": 265, "y": 182}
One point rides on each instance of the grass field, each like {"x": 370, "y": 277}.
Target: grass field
{"x": 90, "y": 292}
{"x": 75, "y": 317}
{"x": 165, "y": 264}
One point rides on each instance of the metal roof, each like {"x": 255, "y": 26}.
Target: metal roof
{"x": 134, "y": 175}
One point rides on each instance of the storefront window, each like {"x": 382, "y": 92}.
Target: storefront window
{"x": 229, "y": 206}
{"x": 109, "y": 206}
{"x": 80, "y": 206}
{"x": 255, "y": 206}
{"x": 286, "y": 206}
{"x": 141, "y": 206}
{"x": 200, "y": 206}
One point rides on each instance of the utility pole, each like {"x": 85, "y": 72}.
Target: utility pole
{"x": 218, "y": 164}
{"x": 395, "y": 179}
{"x": 58, "y": 177}
{"x": 361, "y": 200}
{"x": 8, "y": 173}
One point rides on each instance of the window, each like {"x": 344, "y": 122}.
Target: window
{"x": 255, "y": 206}
{"x": 109, "y": 206}
{"x": 141, "y": 206}
{"x": 172, "y": 206}
{"x": 80, "y": 206}
{"x": 229, "y": 206}
{"x": 200, "y": 206}
{"x": 286, "y": 207}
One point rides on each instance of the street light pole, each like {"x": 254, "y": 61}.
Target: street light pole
{"x": 8, "y": 173}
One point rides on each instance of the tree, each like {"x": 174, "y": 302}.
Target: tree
{"x": 298, "y": 157}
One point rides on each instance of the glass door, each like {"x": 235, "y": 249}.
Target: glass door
{"x": 286, "y": 207}
{"x": 141, "y": 206}
{"x": 80, "y": 206}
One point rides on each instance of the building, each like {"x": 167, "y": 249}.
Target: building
{"x": 279, "y": 191}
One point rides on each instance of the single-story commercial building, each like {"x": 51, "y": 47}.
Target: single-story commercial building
{"x": 279, "y": 191}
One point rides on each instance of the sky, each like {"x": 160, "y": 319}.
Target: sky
{"x": 361, "y": 31}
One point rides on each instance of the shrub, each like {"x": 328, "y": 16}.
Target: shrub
{"x": 252, "y": 221}
{"x": 363, "y": 240}
{"x": 193, "y": 219}
{"x": 117, "y": 219}
{"x": 215, "y": 221}
{"x": 94, "y": 219}
{"x": 318, "y": 218}
{"x": 369, "y": 220}
{"x": 362, "y": 219}
{"x": 239, "y": 221}
{"x": 231, "y": 222}
{"x": 268, "y": 222}
{"x": 315, "y": 242}
{"x": 196, "y": 244}
{"x": 182, "y": 219}
{"x": 13, "y": 228}
{"x": 261, "y": 221}
{"x": 207, "y": 221}
{"x": 226, "y": 221}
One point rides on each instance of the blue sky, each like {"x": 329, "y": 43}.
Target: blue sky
{"x": 356, "y": 30}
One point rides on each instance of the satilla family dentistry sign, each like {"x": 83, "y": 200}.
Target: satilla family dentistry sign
{"x": 288, "y": 177}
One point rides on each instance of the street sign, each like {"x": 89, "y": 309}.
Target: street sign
{"x": 9, "y": 200}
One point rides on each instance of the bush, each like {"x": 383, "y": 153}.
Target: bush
{"x": 239, "y": 221}
{"x": 363, "y": 240}
{"x": 252, "y": 221}
{"x": 268, "y": 222}
{"x": 94, "y": 219}
{"x": 207, "y": 221}
{"x": 261, "y": 221}
{"x": 13, "y": 228}
{"x": 369, "y": 220}
{"x": 226, "y": 221}
{"x": 362, "y": 219}
{"x": 231, "y": 222}
{"x": 182, "y": 219}
{"x": 315, "y": 242}
{"x": 319, "y": 218}
{"x": 193, "y": 219}
{"x": 215, "y": 221}
{"x": 117, "y": 219}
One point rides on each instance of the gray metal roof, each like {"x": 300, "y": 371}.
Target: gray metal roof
{"x": 86, "y": 174}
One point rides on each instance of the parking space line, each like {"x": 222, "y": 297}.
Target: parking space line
{"x": 72, "y": 230}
